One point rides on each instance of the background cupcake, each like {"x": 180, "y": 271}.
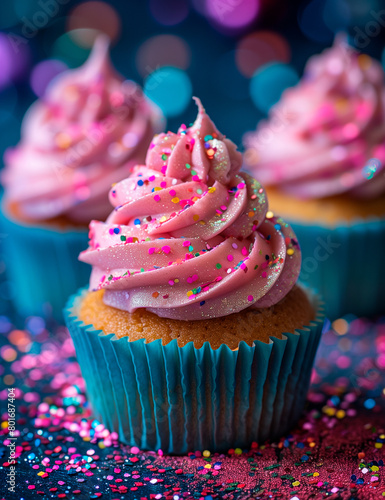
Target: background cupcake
{"x": 321, "y": 155}
{"x": 194, "y": 334}
{"x": 87, "y": 132}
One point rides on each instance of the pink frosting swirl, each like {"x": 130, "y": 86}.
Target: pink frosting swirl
{"x": 190, "y": 236}
{"x": 87, "y": 132}
{"x": 326, "y": 136}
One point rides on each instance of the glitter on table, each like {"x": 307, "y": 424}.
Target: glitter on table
{"x": 336, "y": 451}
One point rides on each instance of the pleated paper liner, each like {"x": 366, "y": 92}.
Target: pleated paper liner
{"x": 345, "y": 265}
{"x": 42, "y": 266}
{"x": 181, "y": 399}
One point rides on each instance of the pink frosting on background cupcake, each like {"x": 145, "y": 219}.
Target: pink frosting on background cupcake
{"x": 326, "y": 136}
{"x": 87, "y": 132}
{"x": 190, "y": 236}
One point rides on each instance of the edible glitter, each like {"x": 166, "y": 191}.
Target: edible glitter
{"x": 309, "y": 458}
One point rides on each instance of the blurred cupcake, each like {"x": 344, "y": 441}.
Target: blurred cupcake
{"x": 194, "y": 333}
{"x": 321, "y": 156}
{"x": 87, "y": 132}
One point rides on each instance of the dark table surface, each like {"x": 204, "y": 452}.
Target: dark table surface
{"x": 335, "y": 451}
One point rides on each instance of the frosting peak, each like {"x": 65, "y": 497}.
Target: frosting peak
{"x": 87, "y": 131}
{"x": 190, "y": 236}
{"x": 214, "y": 157}
{"x": 326, "y": 136}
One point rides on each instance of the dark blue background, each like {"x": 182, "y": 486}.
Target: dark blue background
{"x": 301, "y": 23}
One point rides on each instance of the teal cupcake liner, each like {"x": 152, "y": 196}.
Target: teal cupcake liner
{"x": 42, "y": 267}
{"x": 344, "y": 264}
{"x": 182, "y": 399}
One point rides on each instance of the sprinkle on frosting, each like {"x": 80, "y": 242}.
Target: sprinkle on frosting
{"x": 326, "y": 136}
{"x": 198, "y": 237}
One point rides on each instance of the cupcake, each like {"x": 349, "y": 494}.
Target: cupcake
{"x": 194, "y": 333}
{"x": 90, "y": 128}
{"x": 321, "y": 157}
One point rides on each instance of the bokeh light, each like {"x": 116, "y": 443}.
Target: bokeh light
{"x": 66, "y": 49}
{"x": 169, "y": 12}
{"x": 170, "y": 88}
{"x": 5, "y": 61}
{"x": 162, "y": 50}
{"x": 14, "y": 59}
{"x": 94, "y": 17}
{"x": 369, "y": 403}
{"x": 228, "y": 80}
{"x": 340, "y": 326}
{"x": 43, "y": 73}
{"x": 20, "y": 338}
{"x": 269, "y": 82}
{"x": 8, "y": 353}
{"x": 232, "y": 14}
{"x": 260, "y": 48}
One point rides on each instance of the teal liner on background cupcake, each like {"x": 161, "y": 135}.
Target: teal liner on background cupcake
{"x": 344, "y": 265}
{"x": 41, "y": 266}
{"x": 181, "y": 399}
